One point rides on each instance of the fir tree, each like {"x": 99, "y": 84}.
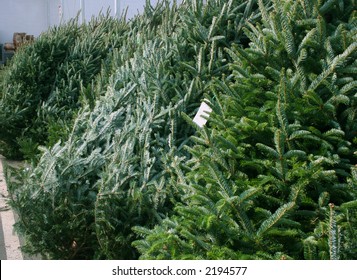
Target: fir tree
{"x": 47, "y": 81}
{"x": 273, "y": 175}
{"x": 114, "y": 170}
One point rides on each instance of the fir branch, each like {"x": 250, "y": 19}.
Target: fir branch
{"x": 275, "y": 218}
{"x": 337, "y": 61}
{"x": 334, "y": 238}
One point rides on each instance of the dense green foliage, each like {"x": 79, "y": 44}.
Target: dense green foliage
{"x": 114, "y": 170}
{"x": 42, "y": 86}
{"x": 271, "y": 175}
{"x": 267, "y": 175}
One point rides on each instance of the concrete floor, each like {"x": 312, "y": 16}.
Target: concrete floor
{"x": 9, "y": 240}
{"x": 2, "y": 243}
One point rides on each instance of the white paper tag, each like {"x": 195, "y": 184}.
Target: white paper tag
{"x": 203, "y": 112}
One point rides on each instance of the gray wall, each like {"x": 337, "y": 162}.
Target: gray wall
{"x": 35, "y": 16}
{"x": 137, "y": 6}
{"x": 22, "y": 16}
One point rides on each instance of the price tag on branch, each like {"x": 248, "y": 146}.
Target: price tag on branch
{"x": 203, "y": 113}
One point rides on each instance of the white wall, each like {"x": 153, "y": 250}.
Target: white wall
{"x": 70, "y": 9}
{"x": 137, "y": 6}
{"x": 22, "y": 16}
{"x": 35, "y": 16}
{"x": 134, "y": 6}
{"x": 93, "y": 7}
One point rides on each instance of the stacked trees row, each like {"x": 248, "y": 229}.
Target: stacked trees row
{"x": 271, "y": 175}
